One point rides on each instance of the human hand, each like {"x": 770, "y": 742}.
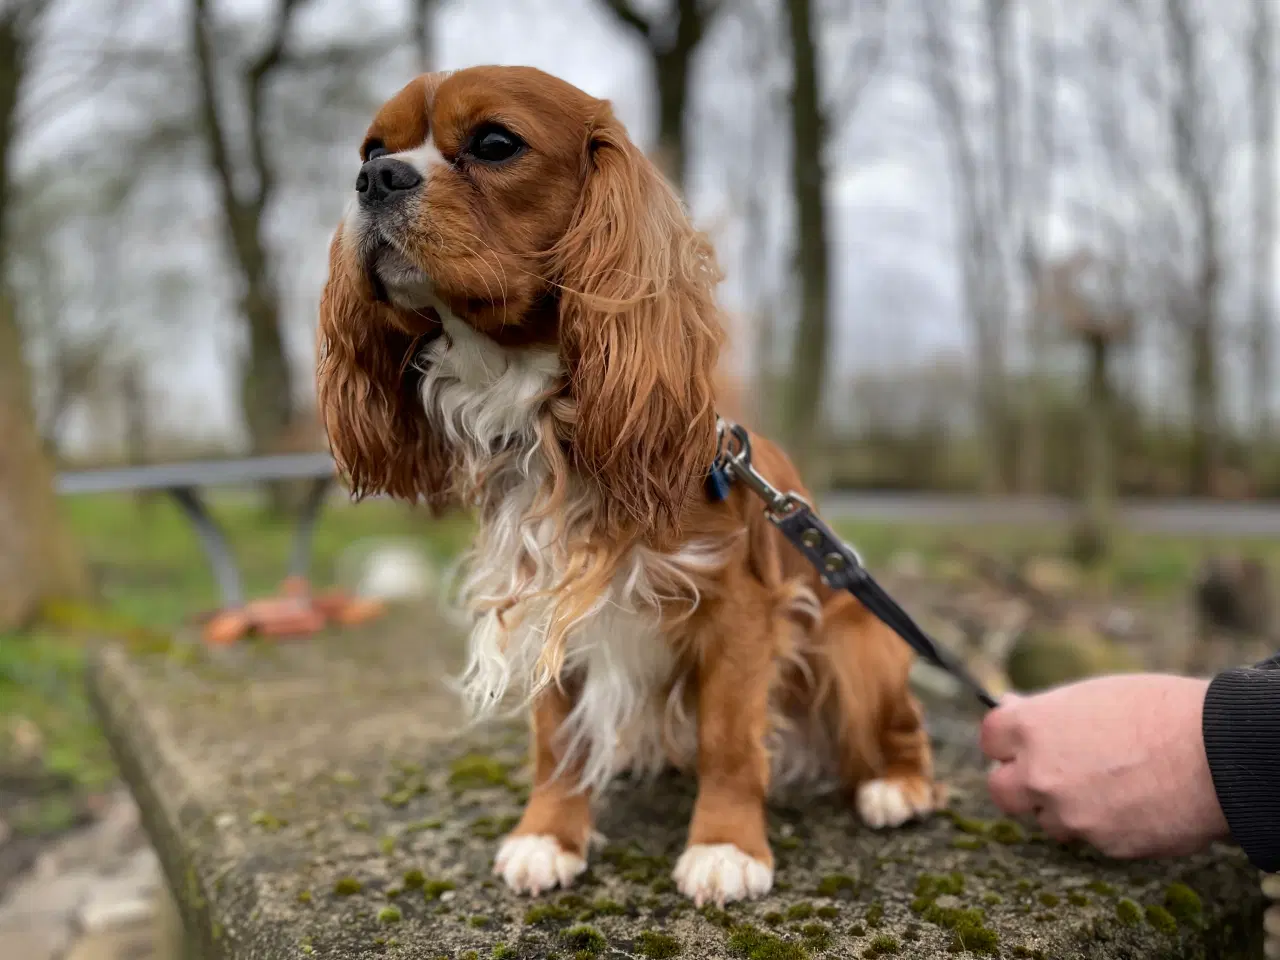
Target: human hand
{"x": 1117, "y": 761}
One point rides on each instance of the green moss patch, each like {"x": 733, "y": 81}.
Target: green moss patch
{"x": 604, "y": 907}
{"x": 389, "y": 914}
{"x": 883, "y": 945}
{"x": 347, "y": 887}
{"x": 1128, "y": 913}
{"x": 1161, "y": 919}
{"x": 584, "y": 939}
{"x": 752, "y": 943}
{"x": 434, "y": 889}
{"x": 657, "y": 945}
{"x": 1184, "y": 904}
{"x": 976, "y": 938}
{"x": 930, "y": 886}
{"x": 636, "y": 866}
{"x": 491, "y": 828}
{"x": 1007, "y": 832}
{"x": 970, "y": 825}
{"x": 800, "y": 911}
{"x": 268, "y": 822}
{"x": 875, "y": 914}
{"x": 545, "y": 914}
{"x": 817, "y": 936}
{"x": 835, "y": 884}
{"x": 717, "y": 917}
{"x": 414, "y": 880}
{"x": 476, "y": 771}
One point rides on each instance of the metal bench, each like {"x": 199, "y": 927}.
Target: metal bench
{"x": 184, "y": 483}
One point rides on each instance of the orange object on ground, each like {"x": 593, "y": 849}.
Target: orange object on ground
{"x": 295, "y": 611}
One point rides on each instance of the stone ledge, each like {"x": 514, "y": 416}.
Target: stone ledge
{"x": 315, "y": 800}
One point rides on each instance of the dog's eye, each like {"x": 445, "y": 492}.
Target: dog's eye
{"x": 494, "y": 144}
{"x": 375, "y": 149}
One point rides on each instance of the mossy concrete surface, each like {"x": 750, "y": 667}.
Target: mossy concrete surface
{"x": 320, "y": 799}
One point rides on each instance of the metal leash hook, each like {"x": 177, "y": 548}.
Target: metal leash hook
{"x": 837, "y": 563}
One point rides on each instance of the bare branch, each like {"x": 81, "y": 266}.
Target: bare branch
{"x": 266, "y": 63}
{"x": 211, "y": 116}
{"x": 864, "y": 58}
{"x": 422, "y": 11}
{"x": 628, "y": 16}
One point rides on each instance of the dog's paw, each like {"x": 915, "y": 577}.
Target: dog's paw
{"x": 720, "y": 873}
{"x": 534, "y": 864}
{"x": 893, "y": 801}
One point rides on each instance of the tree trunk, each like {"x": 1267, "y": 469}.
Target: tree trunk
{"x": 1262, "y": 95}
{"x": 672, "y": 42}
{"x": 802, "y": 415}
{"x": 422, "y": 32}
{"x": 983, "y": 288}
{"x": 1203, "y": 375}
{"x": 672, "y": 69}
{"x": 1199, "y": 172}
{"x": 267, "y": 380}
{"x": 1092, "y": 533}
{"x": 38, "y": 559}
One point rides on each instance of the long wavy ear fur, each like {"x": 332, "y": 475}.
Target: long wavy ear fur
{"x": 367, "y": 387}
{"x": 641, "y": 331}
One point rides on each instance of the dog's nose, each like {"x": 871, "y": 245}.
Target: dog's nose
{"x": 383, "y": 178}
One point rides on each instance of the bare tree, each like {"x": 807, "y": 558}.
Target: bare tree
{"x": 672, "y": 41}
{"x": 1262, "y": 79}
{"x": 1198, "y": 162}
{"x": 267, "y": 382}
{"x": 39, "y": 561}
{"x": 984, "y": 284}
{"x": 1037, "y": 198}
{"x": 815, "y": 116}
{"x": 422, "y": 12}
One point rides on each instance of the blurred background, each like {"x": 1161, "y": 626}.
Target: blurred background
{"x": 1000, "y": 275}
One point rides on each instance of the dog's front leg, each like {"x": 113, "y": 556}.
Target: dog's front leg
{"x": 728, "y": 857}
{"x": 548, "y": 848}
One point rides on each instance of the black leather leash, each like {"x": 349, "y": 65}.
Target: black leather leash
{"x": 836, "y": 562}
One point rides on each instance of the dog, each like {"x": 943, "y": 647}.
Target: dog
{"x": 520, "y": 319}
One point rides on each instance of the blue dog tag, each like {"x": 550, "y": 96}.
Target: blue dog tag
{"x": 717, "y": 483}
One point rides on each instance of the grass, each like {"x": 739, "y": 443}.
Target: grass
{"x": 1150, "y": 566}
{"x": 152, "y": 576}
{"x": 152, "y": 572}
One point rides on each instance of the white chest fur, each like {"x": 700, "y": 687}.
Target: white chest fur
{"x": 487, "y": 400}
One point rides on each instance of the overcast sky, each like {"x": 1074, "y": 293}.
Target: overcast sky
{"x": 894, "y": 269}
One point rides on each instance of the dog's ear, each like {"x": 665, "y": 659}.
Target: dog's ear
{"x": 368, "y": 392}
{"x": 641, "y": 333}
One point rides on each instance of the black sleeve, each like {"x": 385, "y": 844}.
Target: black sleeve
{"x": 1241, "y": 727}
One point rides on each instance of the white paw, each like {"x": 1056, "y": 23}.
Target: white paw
{"x": 720, "y": 873}
{"x": 891, "y": 803}
{"x": 533, "y": 864}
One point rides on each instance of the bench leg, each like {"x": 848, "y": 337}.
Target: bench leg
{"x": 300, "y": 559}
{"x": 215, "y": 545}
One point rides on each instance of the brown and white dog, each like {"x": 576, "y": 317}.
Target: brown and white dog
{"x": 520, "y": 318}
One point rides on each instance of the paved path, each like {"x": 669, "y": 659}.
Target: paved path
{"x": 95, "y": 894}
{"x": 1185, "y": 517}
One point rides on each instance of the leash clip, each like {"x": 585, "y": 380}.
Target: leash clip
{"x": 733, "y": 456}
